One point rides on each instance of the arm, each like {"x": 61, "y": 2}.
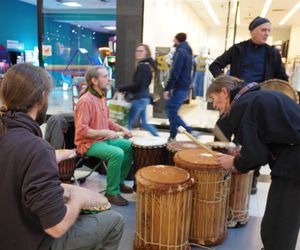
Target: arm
{"x": 218, "y": 65}
{"x": 77, "y": 198}
{"x": 175, "y": 71}
{"x": 279, "y": 71}
{"x": 141, "y": 77}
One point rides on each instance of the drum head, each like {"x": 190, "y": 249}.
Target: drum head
{"x": 180, "y": 145}
{"x": 281, "y": 86}
{"x": 196, "y": 158}
{"x": 162, "y": 174}
{"x": 149, "y": 141}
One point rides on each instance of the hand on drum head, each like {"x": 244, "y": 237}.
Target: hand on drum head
{"x": 63, "y": 154}
{"x": 87, "y": 198}
{"x": 234, "y": 151}
{"x": 226, "y": 161}
{"x": 126, "y": 133}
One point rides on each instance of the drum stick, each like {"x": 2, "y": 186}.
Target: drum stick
{"x": 218, "y": 133}
{"x": 183, "y": 131}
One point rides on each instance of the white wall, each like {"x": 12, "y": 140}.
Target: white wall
{"x": 294, "y": 47}
{"x": 164, "y": 19}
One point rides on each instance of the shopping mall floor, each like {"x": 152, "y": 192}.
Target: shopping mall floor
{"x": 243, "y": 238}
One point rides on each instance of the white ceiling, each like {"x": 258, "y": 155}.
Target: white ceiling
{"x": 249, "y": 9}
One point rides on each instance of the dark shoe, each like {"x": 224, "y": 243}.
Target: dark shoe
{"x": 254, "y": 185}
{"x": 117, "y": 200}
{"x": 126, "y": 189}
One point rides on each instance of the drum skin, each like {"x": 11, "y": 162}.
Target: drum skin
{"x": 175, "y": 146}
{"x": 210, "y": 196}
{"x": 163, "y": 208}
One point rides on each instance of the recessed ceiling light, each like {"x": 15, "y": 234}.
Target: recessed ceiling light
{"x": 110, "y": 27}
{"x": 71, "y": 4}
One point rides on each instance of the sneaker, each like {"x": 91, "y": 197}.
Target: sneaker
{"x": 117, "y": 199}
{"x": 126, "y": 189}
{"x": 195, "y": 133}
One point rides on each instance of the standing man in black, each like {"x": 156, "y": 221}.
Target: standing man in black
{"x": 252, "y": 60}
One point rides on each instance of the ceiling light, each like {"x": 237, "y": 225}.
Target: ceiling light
{"x": 266, "y": 8}
{"x": 71, "y": 4}
{"x": 211, "y": 12}
{"x": 110, "y": 27}
{"x": 291, "y": 12}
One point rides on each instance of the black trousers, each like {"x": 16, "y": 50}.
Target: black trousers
{"x": 281, "y": 221}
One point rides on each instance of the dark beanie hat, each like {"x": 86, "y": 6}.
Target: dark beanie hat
{"x": 258, "y": 21}
{"x": 181, "y": 37}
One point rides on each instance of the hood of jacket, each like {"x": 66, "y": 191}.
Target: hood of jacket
{"x": 14, "y": 120}
{"x": 150, "y": 61}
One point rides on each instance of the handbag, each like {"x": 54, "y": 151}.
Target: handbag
{"x": 119, "y": 109}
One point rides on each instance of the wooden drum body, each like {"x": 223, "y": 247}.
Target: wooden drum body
{"x": 163, "y": 208}
{"x": 210, "y": 196}
{"x": 66, "y": 169}
{"x": 149, "y": 151}
{"x": 240, "y": 191}
{"x": 173, "y": 147}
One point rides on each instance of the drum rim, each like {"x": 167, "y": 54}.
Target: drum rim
{"x": 284, "y": 83}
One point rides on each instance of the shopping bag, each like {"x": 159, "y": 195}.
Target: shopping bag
{"x": 119, "y": 109}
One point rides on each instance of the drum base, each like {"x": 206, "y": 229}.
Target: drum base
{"x": 237, "y": 223}
{"x": 209, "y": 242}
{"x": 154, "y": 247}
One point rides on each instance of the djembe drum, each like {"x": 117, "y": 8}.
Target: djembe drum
{"x": 173, "y": 147}
{"x": 163, "y": 208}
{"x": 66, "y": 169}
{"x": 149, "y": 151}
{"x": 210, "y": 196}
{"x": 240, "y": 190}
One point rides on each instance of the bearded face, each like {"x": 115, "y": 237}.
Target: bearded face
{"x": 42, "y": 114}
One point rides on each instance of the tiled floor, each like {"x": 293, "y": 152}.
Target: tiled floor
{"x": 244, "y": 238}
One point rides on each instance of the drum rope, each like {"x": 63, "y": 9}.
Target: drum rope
{"x": 201, "y": 246}
{"x": 159, "y": 244}
{"x": 218, "y": 196}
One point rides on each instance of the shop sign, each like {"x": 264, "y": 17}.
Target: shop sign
{"x": 12, "y": 44}
{"x": 47, "y": 50}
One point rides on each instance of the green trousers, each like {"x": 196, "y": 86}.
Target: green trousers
{"x": 118, "y": 153}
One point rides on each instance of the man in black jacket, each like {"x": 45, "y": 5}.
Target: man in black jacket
{"x": 266, "y": 124}
{"x": 252, "y": 61}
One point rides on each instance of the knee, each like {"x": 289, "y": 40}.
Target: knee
{"x": 117, "y": 221}
{"x": 118, "y": 154}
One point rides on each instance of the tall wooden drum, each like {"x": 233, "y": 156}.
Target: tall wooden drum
{"x": 173, "y": 147}
{"x": 163, "y": 208}
{"x": 210, "y": 196}
{"x": 240, "y": 191}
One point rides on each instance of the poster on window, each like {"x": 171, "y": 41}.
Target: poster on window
{"x": 163, "y": 58}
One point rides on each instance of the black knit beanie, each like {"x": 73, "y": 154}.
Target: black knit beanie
{"x": 258, "y": 21}
{"x": 181, "y": 37}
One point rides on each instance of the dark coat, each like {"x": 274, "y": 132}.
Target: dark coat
{"x": 181, "y": 71}
{"x": 141, "y": 80}
{"x": 235, "y": 55}
{"x": 267, "y": 125}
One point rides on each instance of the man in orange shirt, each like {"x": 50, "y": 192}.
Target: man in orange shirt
{"x": 96, "y": 135}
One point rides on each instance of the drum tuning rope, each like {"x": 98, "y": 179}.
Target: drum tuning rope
{"x": 201, "y": 246}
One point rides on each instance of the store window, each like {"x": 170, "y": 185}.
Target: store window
{"x": 75, "y": 37}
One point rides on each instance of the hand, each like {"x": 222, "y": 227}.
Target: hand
{"x": 110, "y": 134}
{"x": 166, "y": 95}
{"x": 86, "y": 198}
{"x": 234, "y": 151}
{"x": 63, "y": 154}
{"x": 127, "y": 133}
{"x": 226, "y": 161}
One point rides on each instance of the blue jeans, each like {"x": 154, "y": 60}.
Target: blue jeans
{"x": 173, "y": 104}
{"x": 138, "y": 112}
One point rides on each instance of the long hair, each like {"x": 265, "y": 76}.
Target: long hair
{"x": 223, "y": 81}
{"x": 91, "y": 73}
{"x": 22, "y": 87}
{"x": 148, "y": 55}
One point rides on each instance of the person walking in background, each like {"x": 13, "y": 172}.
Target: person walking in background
{"x": 178, "y": 86}
{"x": 252, "y": 61}
{"x": 139, "y": 89}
